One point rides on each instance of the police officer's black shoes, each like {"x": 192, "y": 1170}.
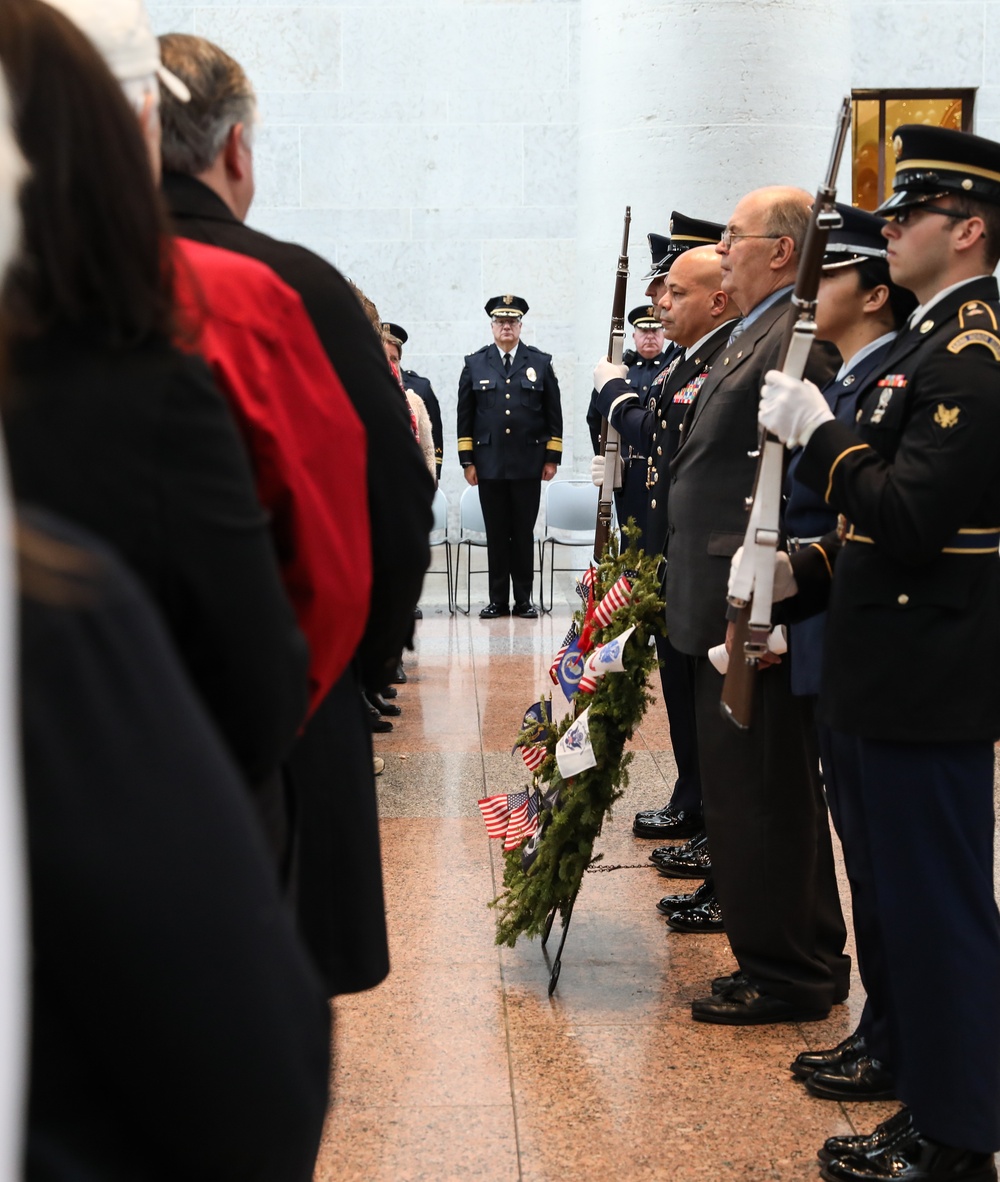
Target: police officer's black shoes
{"x": 804, "y": 1064}
{"x": 897, "y": 1128}
{"x": 703, "y": 919}
{"x": 527, "y": 611}
{"x": 667, "y": 823}
{"x": 492, "y": 610}
{"x": 742, "y": 1004}
{"x": 671, "y": 903}
{"x": 863, "y": 1078}
{"x": 913, "y": 1158}
{"x": 690, "y": 860}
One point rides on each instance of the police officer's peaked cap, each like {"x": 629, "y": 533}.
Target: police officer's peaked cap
{"x": 644, "y": 317}
{"x": 398, "y": 334}
{"x": 685, "y": 234}
{"x": 506, "y": 305}
{"x": 859, "y": 237}
{"x": 936, "y": 162}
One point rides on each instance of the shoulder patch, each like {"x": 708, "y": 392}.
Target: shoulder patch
{"x": 976, "y": 314}
{"x": 976, "y": 336}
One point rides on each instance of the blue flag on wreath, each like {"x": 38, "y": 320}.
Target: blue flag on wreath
{"x": 568, "y": 668}
{"x": 536, "y": 723}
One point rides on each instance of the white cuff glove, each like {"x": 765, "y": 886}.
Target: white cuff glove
{"x": 785, "y": 585}
{"x": 597, "y": 470}
{"x": 791, "y": 409}
{"x": 605, "y": 371}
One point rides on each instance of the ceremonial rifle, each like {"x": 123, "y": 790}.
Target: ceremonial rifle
{"x": 751, "y": 594}
{"x": 610, "y": 444}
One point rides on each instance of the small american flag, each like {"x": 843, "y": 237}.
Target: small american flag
{"x": 585, "y": 582}
{"x": 616, "y": 598}
{"x": 497, "y": 812}
{"x": 523, "y": 822}
{"x": 533, "y": 757}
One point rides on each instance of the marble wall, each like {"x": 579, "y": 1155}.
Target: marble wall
{"x": 442, "y": 151}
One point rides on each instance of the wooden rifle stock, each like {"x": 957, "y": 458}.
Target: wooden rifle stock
{"x": 752, "y": 612}
{"x": 609, "y": 436}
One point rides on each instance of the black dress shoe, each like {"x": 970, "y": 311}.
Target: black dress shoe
{"x": 389, "y": 709}
{"x": 913, "y": 1158}
{"x": 527, "y": 611}
{"x": 418, "y": 614}
{"x": 671, "y": 903}
{"x": 667, "y": 823}
{"x": 861, "y": 1078}
{"x": 706, "y": 918}
{"x": 724, "y": 984}
{"x": 884, "y": 1136}
{"x": 690, "y": 860}
{"x": 379, "y": 726}
{"x": 743, "y": 1005}
{"x": 492, "y": 610}
{"x": 805, "y": 1063}
{"x": 389, "y": 692}
{"x": 400, "y": 678}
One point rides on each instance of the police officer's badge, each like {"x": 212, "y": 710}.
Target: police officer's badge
{"x": 530, "y": 374}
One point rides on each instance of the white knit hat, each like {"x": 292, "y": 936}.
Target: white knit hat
{"x": 121, "y": 32}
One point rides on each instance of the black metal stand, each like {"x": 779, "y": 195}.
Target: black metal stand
{"x": 556, "y": 966}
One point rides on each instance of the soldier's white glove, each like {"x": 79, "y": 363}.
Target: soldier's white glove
{"x": 597, "y": 470}
{"x": 785, "y": 585}
{"x": 791, "y": 408}
{"x": 605, "y": 371}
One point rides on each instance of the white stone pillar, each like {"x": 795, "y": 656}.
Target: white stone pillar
{"x": 688, "y": 105}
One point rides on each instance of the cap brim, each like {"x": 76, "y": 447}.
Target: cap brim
{"x": 906, "y": 199}
{"x": 176, "y": 87}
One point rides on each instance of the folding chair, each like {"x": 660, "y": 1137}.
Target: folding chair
{"x": 471, "y": 532}
{"x": 439, "y": 537}
{"x": 570, "y": 520}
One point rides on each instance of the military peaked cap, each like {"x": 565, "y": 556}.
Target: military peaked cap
{"x": 398, "y": 334}
{"x": 685, "y": 234}
{"x": 936, "y": 162}
{"x": 644, "y": 317}
{"x": 859, "y": 237}
{"x": 506, "y": 305}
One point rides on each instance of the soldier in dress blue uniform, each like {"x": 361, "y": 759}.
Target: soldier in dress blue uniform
{"x": 420, "y": 386}
{"x": 509, "y": 440}
{"x": 910, "y": 689}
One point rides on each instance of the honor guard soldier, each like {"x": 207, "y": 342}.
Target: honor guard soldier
{"x": 910, "y": 687}
{"x": 415, "y": 384}
{"x": 509, "y": 440}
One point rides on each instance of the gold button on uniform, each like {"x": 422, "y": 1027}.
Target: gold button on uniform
{"x": 508, "y": 430}
{"x": 652, "y": 503}
{"x": 903, "y": 600}
{"x": 506, "y": 412}
{"x": 507, "y": 395}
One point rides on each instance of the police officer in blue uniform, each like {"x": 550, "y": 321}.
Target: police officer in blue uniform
{"x": 509, "y": 440}
{"x": 422, "y": 388}
{"x": 912, "y": 647}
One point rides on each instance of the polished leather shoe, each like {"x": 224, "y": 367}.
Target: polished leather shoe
{"x": 667, "y": 823}
{"x": 388, "y": 709}
{"x": 743, "y": 1005}
{"x": 861, "y": 1078}
{"x": 389, "y": 692}
{"x": 897, "y": 1128}
{"x": 492, "y": 610}
{"x": 724, "y": 984}
{"x": 914, "y": 1158}
{"x": 671, "y": 903}
{"x": 400, "y": 678}
{"x": 526, "y": 611}
{"x": 706, "y": 918}
{"x": 805, "y": 1063}
{"x": 690, "y": 860}
{"x": 379, "y": 726}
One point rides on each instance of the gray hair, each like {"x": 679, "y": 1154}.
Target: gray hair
{"x": 194, "y": 133}
{"x": 788, "y": 217}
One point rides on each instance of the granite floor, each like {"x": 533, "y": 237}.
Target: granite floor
{"x": 460, "y": 1066}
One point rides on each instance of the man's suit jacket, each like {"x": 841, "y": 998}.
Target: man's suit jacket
{"x": 509, "y": 424}
{"x": 712, "y": 474}
{"x": 400, "y": 489}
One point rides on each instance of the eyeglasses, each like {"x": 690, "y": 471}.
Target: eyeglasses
{"x": 728, "y": 237}
{"x": 511, "y": 320}
{"x": 904, "y": 215}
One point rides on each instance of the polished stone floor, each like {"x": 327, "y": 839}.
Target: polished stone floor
{"x": 460, "y": 1066}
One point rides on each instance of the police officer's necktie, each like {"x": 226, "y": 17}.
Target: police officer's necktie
{"x": 506, "y": 363}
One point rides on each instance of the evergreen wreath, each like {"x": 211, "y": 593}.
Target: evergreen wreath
{"x": 572, "y": 811}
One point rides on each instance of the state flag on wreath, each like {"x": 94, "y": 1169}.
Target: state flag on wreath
{"x": 568, "y": 667}
{"x": 536, "y": 722}
{"x": 574, "y": 752}
{"x": 609, "y": 658}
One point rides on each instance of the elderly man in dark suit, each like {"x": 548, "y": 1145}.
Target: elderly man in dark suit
{"x": 209, "y": 186}
{"x": 764, "y": 811}
{"x": 509, "y": 439}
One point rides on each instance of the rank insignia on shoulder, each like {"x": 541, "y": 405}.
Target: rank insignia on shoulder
{"x": 530, "y": 374}
{"x": 946, "y": 416}
{"x": 976, "y": 336}
{"x": 976, "y": 311}
{"x": 897, "y": 381}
